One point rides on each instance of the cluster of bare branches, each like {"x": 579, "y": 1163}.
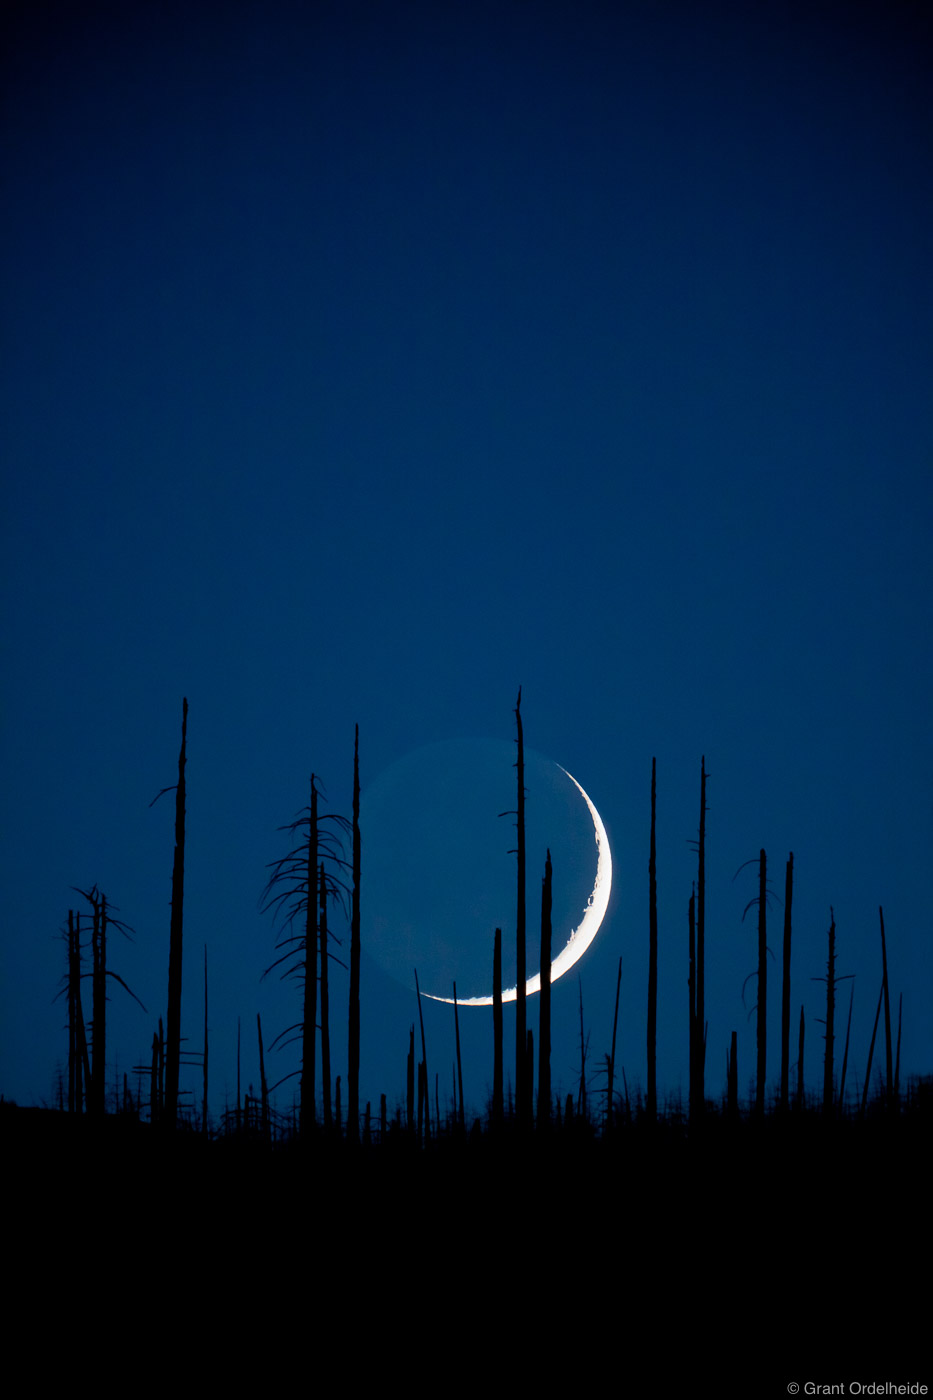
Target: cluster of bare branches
{"x": 316, "y": 873}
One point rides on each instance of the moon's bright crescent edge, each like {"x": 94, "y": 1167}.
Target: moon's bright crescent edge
{"x": 581, "y": 937}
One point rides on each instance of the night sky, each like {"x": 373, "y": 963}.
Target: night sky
{"x": 362, "y": 363}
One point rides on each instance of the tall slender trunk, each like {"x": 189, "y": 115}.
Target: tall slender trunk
{"x": 424, "y": 1060}
{"x": 652, "y": 961}
{"x": 497, "y": 1101}
{"x": 762, "y": 1017}
{"x": 353, "y": 1054}
{"x": 544, "y": 1024}
{"x": 522, "y": 1104}
{"x": 325, "y": 1008}
{"x": 98, "y": 1086}
{"x": 306, "y": 1111}
{"x": 173, "y": 1026}
{"x": 785, "y": 988}
{"x": 871, "y": 1050}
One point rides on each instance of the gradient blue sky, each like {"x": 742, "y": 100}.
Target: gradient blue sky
{"x": 363, "y": 362}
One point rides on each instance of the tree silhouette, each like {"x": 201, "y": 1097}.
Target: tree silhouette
{"x": 298, "y": 885}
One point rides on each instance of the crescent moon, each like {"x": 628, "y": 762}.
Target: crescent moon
{"x": 582, "y": 936}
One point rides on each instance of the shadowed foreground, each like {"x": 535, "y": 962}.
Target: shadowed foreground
{"x": 750, "y": 1255}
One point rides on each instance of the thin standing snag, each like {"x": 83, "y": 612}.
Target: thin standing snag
{"x": 353, "y": 1051}
{"x": 785, "y": 990}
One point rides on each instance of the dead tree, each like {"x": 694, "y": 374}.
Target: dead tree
{"x": 785, "y": 989}
{"x": 831, "y": 980}
{"x": 298, "y": 885}
{"x": 102, "y": 919}
{"x": 353, "y": 1033}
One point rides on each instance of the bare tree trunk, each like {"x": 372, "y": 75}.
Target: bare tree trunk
{"x": 353, "y": 1054}
{"x": 871, "y": 1050}
{"x": 173, "y": 1028}
{"x": 424, "y": 1059}
{"x": 306, "y": 1111}
{"x": 652, "y": 962}
{"x": 785, "y": 989}
{"x": 98, "y": 1002}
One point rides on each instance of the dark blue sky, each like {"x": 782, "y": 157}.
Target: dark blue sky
{"x": 361, "y": 363}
